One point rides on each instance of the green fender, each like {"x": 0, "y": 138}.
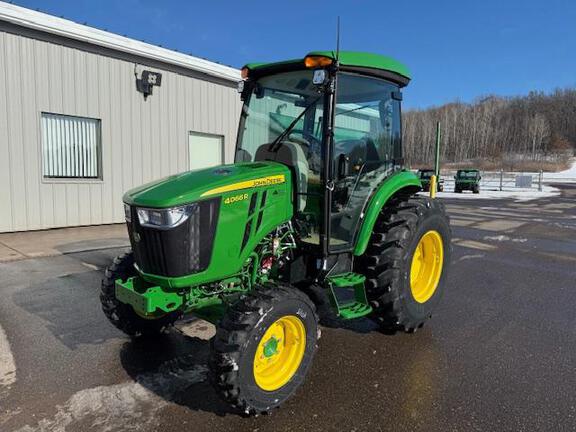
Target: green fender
{"x": 396, "y": 182}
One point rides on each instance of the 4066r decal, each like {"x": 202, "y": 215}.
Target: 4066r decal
{"x": 235, "y": 198}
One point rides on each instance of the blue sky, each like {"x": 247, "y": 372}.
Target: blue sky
{"x": 455, "y": 49}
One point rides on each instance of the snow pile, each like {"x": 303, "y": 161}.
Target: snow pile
{"x": 567, "y": 176}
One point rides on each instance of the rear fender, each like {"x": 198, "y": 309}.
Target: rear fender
{"x": 403, "y": 181}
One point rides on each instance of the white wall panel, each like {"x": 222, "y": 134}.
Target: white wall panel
{"x": 141, "y": 140}
{"x": 16, "y": 153}
{"x": 6, "y": 220}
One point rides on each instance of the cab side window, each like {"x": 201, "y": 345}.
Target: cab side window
{"x": 367, "y": 148}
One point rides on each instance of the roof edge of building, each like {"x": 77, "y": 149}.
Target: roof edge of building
{"x": 43, "y": 22}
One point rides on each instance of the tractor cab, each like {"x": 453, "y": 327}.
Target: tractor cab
{"x": 335, "y": 122}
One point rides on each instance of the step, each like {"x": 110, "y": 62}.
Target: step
{"x": 347, "y": 280}
{"x": 354, "y": 310}
{"x": 348, "y": 295}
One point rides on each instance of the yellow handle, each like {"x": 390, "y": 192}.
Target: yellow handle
{"x": 433, "y": 187}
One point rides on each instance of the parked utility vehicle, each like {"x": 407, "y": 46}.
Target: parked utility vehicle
{"x": 425, "y": 176}
{"x": 467, "y": 179}
{"x": 317, "y": 209}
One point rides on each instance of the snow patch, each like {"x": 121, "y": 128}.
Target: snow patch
{"x": 90, "y": 266}
{"x": 564, "y": 225}
{"x": 517, "y": 194}
{"x": 469, "y": 257}
{"x": 566, "y": 176}
{"x": 7, "y": 365}
{"x": 124, "y": 407}
{"x": 502, "y": 238}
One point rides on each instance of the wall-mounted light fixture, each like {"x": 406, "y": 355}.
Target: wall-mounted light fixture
{"x": 148, "y": 79}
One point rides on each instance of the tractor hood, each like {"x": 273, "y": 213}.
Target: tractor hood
{"x": 206, "y": 183}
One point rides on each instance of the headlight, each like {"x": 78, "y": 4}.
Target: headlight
{"x": 127, "y": 213}
{"x": 165, "y": 218}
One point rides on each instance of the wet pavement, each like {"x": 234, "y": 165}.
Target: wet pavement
{"x": 499, "y": 354}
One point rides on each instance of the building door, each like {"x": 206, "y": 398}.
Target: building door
{"x": 205, "y": 150}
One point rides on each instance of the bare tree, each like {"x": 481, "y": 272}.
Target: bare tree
{"x": 494, "y": 128}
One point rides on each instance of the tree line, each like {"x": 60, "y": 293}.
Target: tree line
{"x": 535, "y": 127}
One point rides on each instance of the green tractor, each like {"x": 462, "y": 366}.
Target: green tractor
{"x": 317, "y": 216}
{"x": 425, "y": 176}
{"x": 467, "y": 179}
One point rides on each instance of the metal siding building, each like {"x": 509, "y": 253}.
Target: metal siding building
{"x": 72, "y": 87}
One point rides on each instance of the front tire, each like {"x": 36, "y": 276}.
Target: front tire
{"x": 263, "y": 348}
{"x": 121, "y": 315}
{"x": 406, "y": 263}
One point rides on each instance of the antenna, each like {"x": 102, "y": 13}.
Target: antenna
{"x": 338, "y": 39}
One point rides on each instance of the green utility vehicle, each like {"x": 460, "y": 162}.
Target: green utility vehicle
{"x": 317, "y": 214}
{"x": 425, "y": 175}
{"x": 467, "y": 179}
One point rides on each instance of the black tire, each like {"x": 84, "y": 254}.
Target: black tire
{"x": 121, "y": 315}
{"x": 388, "y": 259}
{"x": 327, "y": 316}
{"x": 476, "y": 190}
{"x": 457, "y": 190}
{"x": 238, "y": 336}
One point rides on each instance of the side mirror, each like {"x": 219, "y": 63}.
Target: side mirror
{"x": 343, "y": 166}
{"x": 258, "y": 91}
{"x": 246, "y": 87}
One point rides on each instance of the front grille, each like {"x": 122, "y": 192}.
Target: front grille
{"x": 179, "y": 251}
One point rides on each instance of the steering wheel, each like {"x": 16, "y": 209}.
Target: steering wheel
{"x": 307, "y": 141}
{"x": 297, "y": 137}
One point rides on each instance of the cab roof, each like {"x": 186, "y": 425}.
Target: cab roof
{"x": 354, "y": 61}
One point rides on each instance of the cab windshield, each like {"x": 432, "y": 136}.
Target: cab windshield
{"x": 467, "y": 174}
{"x": 275, "y": 103}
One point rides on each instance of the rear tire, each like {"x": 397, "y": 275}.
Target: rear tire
{"x": 121, "y": 315}
{"x": 391, "y": 287}
{"x": 239, "y": 348}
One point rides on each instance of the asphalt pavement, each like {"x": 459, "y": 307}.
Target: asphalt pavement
{"x": 499, "y": 354}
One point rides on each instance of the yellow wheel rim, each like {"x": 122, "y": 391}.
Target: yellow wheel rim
{"x": 426, "y": 267}
{"x": 279, "y": 353}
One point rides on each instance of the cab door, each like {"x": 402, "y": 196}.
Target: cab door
{"x": 366, "y": 149}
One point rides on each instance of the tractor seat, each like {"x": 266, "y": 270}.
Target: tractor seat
{"x": 293, "y": 156}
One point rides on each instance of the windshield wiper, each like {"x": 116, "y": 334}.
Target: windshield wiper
{"x": 278, "y": 141}
{"x": 355, "y": 109}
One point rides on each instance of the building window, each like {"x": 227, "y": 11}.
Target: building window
{"x": 70, "y": 147}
